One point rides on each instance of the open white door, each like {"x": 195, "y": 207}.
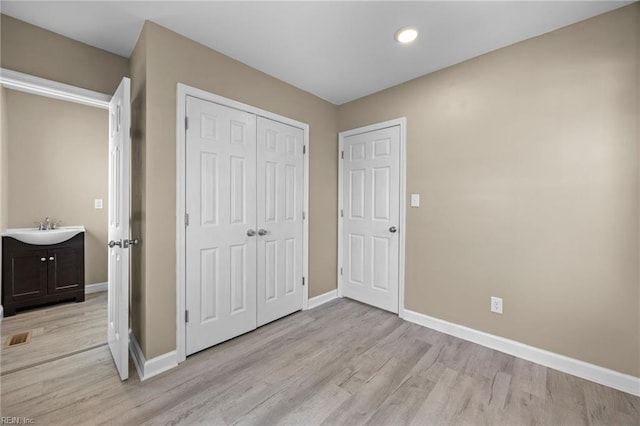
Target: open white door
{"x": 119, "y": 169}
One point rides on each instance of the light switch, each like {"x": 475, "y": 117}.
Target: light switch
{"x": 415, "y": 200}
{"x": 97, "y": 204}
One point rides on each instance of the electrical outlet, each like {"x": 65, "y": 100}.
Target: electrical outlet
{"x": 415, "y": 200}
{"x": 97, "y": 204}
{"x": 496, "y": 305}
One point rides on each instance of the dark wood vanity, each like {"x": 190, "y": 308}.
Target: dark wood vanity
{"x": 35, "y": 275}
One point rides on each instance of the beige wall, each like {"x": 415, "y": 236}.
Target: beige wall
{"x": 36, "y": 51}
{"x": 638, "y": 137}
{"x": 138, "y": 178}
{"x": 4, "y": 160}
{"x": 171, "y": 58}
{"x": 4, "y": 164}
{"x": 58, "y": 165}
{"x": 527, "y": 162}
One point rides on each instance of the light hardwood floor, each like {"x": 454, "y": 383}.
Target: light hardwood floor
{"x": 341, "y": 363}
{"x": 57, "y": 331}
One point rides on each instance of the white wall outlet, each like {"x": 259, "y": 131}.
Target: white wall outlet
{"x": 415, "y": 200}
{"x": 496, "y": 305}
{"x": 97, "y": 204}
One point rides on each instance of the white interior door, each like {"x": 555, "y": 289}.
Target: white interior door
{"x": 371, "y": 216}
{"x": 118, "y": 264}
{"x": 280, "y": 221}
{"x": 220, "y": 236}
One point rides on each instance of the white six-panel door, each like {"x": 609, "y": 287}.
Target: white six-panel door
{"x": 220, "y": 247}
{"x": 118, "y": 262}
{"x": 280, "y": 222}
{"x": 371, "y": 217}
{"x": 244, "y": 237}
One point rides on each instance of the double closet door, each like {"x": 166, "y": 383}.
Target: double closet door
{"x": 244, "y": 199}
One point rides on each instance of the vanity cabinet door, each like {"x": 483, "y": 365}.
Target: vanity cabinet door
{"x": 66, "y": 269}
{"x": 27, "y": 275}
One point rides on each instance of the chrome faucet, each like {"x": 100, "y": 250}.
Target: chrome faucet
{"x": 47, "y": 224}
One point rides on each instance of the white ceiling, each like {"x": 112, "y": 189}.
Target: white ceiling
{"x": 339, "y": 51}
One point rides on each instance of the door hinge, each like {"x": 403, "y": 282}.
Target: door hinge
{"x": 304, "y": 149}
{"x": 186, "y": 219}
{"x": 304, "y": 216}
{"x": 342, "y": 155}
{"x": 340, "y": 271}
{"x": 186, "y": 123}
{"x": 186, "y": 316}
{"x": 302, "y": 280}
{"x": 341, "y": 213}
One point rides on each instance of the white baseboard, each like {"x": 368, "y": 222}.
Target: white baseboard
{"x": 575, "y": 367}
{"x": 153, "y": 367}
{"x": 321, "y": 299}
{"x": 96, "y": 288}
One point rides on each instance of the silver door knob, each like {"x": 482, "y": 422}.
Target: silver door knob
{"x": 112, "y": 244}
{"x": 392, "y": 229}
{"x": 262, "y": 232}
{"x": 52, "y": 258}
{"x": 43, "y": 259}
{"x": 251, "y": 233}
{"x": 127, "y": 243}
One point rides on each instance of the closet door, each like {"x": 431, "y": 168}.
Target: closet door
{"x": 280, "y": 222}
{"x": 221, "y": 204}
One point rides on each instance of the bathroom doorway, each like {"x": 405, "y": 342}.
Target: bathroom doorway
{"x": 55, "y": 174}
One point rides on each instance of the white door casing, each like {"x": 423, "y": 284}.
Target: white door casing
{"x": 220, "y": 252}
{"x": 279, "y": 208}
{"x": 118, "y": 263}
{"x": 370, "y": 216}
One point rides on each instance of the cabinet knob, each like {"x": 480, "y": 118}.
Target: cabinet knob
{"x": 43, "y": 259}
{"x": 52, "y": 258}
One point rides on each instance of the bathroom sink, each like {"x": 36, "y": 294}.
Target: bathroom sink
{"x": 43, "y": 238}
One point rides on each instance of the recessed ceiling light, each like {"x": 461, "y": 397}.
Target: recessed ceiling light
{"x": 406, "y": 35}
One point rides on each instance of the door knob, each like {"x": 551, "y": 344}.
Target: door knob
{"x": 112, "y": 244}
{"x": 127, "y": 243}
{"x": 251, "y": 233}
{"x": 392, "y": 229}
{"x": 43, "y": 259}
{"x": 52, "y": 258}
{"x": 262, "y": 232}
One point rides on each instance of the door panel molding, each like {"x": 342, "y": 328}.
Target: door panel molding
{"x": 183, "y": 91}
{"x": 351, "y": 208}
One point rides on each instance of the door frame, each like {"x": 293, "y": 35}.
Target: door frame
{"x": 183, "y": 91}
{"x": 402, "y": 122}
{"x": 53, "y": 89}
{"x": 39, "y": 86}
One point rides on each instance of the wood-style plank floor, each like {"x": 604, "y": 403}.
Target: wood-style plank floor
{"x": 57, "y": 331}
{"x": 341, "y": 363}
